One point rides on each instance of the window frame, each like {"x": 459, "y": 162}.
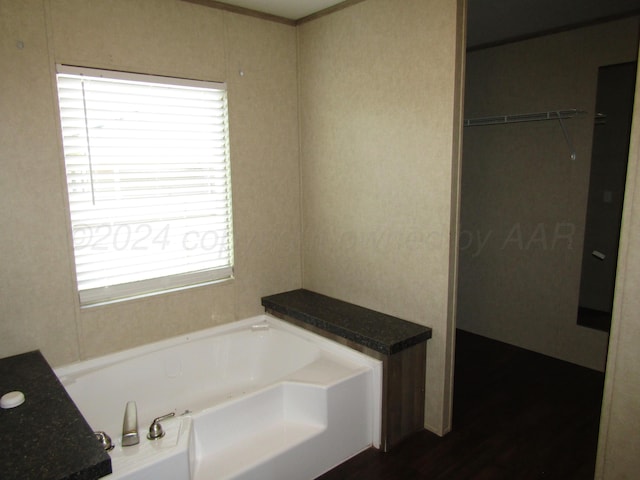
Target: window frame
{"x": 170, "y": 282}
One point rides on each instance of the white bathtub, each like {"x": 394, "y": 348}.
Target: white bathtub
{"x": 255, "y": 399}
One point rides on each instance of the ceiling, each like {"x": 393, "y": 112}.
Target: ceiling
{"x": 497, "y": 21}
{"x": 289, "y": 9}
{"x": 489, "y": 21}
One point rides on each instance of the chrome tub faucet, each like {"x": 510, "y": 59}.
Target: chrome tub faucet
{"x": 130, "y": 434}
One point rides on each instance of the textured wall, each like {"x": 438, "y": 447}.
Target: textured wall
{"x": 523, "y": 198}
{"x": 379, "y": 85}
{"x": 38, "y": 306}
{"x": 377, "y": 110}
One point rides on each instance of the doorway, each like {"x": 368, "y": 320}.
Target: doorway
{"x": 610, "y": 152}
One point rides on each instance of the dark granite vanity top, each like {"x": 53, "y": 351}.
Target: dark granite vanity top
{"x": 383, "y": 333}
{"x": 45, "y": 438}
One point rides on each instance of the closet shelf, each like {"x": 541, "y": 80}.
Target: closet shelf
{"x": 523, "y": 117}
{"x": 531, "y": 117}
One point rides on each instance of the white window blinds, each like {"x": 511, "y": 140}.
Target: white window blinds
{"x": 147, "y": 165}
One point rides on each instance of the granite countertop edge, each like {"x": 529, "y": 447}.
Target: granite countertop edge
{"x": 47, "y": 437}
{"x": 335, "y": 323}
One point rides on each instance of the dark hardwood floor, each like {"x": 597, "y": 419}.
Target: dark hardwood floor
{"x": 517, "y": 415}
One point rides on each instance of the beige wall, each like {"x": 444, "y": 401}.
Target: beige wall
{"x": 38, "y": 305}
{"x": 523, "y": 198}
{"x": 380, "y": 115}
{"x": 620, "y": 422}
{"x": 378, "y": 103}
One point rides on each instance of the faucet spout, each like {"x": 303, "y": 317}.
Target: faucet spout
{"x": 130, "y": 434}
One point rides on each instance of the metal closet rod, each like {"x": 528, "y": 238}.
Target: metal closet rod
{"x": 531, "y": 117}
{"x": 523, "y": 117}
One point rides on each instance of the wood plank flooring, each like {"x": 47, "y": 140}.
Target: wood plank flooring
{"x": 517, "y": 415}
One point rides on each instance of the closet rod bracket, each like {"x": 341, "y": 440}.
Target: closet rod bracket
{"x": 567, "y": 139}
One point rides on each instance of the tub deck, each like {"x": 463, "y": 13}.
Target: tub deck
{"x": 399, "y": 344}
{"x": 316, "y": 404}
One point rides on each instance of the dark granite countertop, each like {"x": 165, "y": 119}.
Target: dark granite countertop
{"x": 45, "y": 438}
{"x": 383, "y": 333}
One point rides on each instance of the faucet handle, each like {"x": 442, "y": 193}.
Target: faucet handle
{"x": 105, "y": 440}
{"x": 155, "y": 430}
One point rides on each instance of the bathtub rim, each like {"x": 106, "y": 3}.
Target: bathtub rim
{"x": 66, "y": 373}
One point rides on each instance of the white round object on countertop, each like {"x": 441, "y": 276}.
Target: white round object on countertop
{"x": 12, "y": 399}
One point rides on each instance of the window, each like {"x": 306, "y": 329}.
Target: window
{"x": 147, "y": 167}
